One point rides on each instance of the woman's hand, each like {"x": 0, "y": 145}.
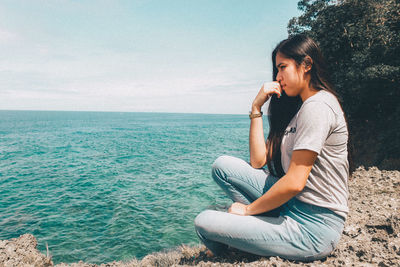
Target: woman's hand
{"x": 266, "y": 91}
{"x": 238, "y": 208}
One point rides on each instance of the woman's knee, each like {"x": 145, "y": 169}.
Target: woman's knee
{"x": 222, "y": 165}
{"x": 222, "y": 162}
{"x": 203, "y": 220}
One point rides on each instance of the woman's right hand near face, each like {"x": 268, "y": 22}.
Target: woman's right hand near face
{"x": 266, "y": 91}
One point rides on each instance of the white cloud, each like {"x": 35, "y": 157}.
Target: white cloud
{"x": 64, "y": 76}
{"x": 8, "y": 37}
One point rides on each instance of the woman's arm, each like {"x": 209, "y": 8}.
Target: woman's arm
{"x": 258, "y": 148}
{"x": 284, "y": 189}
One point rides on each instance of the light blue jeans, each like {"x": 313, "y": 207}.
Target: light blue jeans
{"x": 300, "y": 231}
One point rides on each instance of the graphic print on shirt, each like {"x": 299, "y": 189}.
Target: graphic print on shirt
{"x": 291, "y": 130}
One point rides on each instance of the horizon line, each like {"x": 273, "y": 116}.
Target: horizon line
{"x": 114, "y": 111}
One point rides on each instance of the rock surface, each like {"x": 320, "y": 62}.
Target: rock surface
{"x": 22, "y": 252}
{"x": 371, "y": 236}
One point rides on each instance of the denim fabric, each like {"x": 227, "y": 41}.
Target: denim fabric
{"x": 300, "y": 231}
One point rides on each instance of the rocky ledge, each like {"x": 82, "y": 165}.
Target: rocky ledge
{"x": 371, "y": 236}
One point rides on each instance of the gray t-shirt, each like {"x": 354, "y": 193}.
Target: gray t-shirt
{"x": 320, "y": 126}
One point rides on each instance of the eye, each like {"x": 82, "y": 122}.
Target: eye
{"x": 283, "y": 67}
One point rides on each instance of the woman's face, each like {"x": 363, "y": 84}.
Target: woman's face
{"x": 290, "y": 76}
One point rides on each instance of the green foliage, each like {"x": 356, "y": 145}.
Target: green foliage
{"x": 361, "y": 43}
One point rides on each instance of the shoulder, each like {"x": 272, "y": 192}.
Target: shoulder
{"x": 323, "y": 101}
{"x": 320, "y": 109}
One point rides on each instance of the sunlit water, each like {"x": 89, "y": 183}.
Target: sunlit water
{"x": 102, "y": 186}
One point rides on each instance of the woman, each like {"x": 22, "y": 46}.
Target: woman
{"x": 305, "y": 183}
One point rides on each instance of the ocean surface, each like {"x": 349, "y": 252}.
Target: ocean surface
{"x": 105, "y": 186}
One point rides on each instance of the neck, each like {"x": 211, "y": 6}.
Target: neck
{"x": 307, "y": 92}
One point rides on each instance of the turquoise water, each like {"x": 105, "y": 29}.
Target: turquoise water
{"x": 104, "y": 186}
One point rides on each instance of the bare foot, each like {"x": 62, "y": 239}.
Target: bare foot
{"x": 209, "y": 253}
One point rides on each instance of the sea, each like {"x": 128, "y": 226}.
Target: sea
{"x": 111, "y": 186}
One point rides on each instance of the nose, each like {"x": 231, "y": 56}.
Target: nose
{"x": 278, "y": 77}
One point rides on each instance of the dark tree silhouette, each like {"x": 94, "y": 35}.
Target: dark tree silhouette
{"x": 361, "y": 42}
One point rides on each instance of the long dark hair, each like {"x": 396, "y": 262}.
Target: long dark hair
{"x": 302, "y": 49}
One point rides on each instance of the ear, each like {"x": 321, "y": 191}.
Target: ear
{"x": 307, "y": 62}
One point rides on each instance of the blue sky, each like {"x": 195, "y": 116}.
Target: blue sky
{"x": 149, "y": 56}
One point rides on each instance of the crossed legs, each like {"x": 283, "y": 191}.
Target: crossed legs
{"x": 261, "y": 235}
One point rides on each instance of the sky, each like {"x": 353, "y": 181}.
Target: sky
{"x": 190, "y": 56}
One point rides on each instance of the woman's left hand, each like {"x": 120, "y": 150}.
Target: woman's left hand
{"x": 238, "y": 208}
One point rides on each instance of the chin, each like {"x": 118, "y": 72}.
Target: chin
{"x": 291, "y": 93}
